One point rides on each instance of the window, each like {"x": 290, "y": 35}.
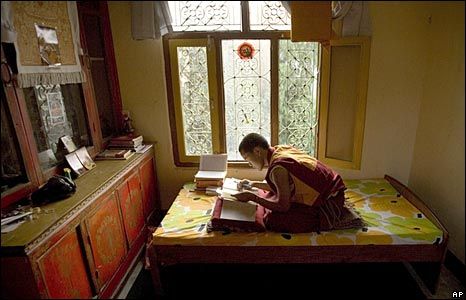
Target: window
{"x": 225, "y": 85}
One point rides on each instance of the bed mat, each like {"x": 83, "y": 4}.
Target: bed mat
{"x": 390, "y": 220}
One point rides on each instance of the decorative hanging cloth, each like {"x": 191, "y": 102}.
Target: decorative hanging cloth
{"x": 47, "y": 42}
{"x": 246, "y": 51}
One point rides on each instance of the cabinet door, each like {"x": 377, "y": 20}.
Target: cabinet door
{"x": 148, "y": 181}
{"x": 129, "y": 194}
{"x": 107, "y": 240}
{"x": 63, "y": 271}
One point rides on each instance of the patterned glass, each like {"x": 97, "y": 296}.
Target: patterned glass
{"x": 205, "y": 15}
{"x": 268, "y": 15}
{"x": 55, "y": 111}
{"x": 298, "y": 83}
{"x": 195, "y": 105}
{"x": 246, "y": 92}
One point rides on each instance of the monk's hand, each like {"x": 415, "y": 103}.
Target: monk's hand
{"x": 244, "y": 184}
{"x": 245, "y": 196}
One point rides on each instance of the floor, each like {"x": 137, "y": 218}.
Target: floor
{"x": 386, "y": 280}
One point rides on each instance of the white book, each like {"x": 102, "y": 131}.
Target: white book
{"x": 212, "y": 166}
{"x": 239, "y": 211}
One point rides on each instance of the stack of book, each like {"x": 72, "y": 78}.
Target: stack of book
{"x": 120, "y": 154}
{"x": 208, "y": 185}
{"x": 131, "y": 142}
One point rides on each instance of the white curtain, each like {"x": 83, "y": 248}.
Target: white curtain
{"x": 354, "y": 15}
{"x": 150, "y": 19}
{"x": 8, "y": 30}
{"x": 286, "y": 5}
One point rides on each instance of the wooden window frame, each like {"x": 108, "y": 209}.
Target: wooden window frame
{"x": 219, "y": 142}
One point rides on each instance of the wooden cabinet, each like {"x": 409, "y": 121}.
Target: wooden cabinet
{"x": 86, "y": 245}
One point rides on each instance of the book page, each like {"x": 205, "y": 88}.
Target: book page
{"x": 230, "y": 188}
{"x": 240, "y": 211}
{"x": 213, "y": 162}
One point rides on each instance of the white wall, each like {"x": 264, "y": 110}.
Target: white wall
{"x": 437, "y": 169}
{"x": 396, "y": 72}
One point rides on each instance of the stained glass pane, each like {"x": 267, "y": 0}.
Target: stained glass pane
{"x": 194, "y": 91}
{"x": 268, "y": 15}
{"x": 205, "y": 15}
{"x": 246, "y": 91}
{"x": 298, "y": 75}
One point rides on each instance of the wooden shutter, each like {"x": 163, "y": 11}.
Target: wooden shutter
{"x": 345, "y": 70}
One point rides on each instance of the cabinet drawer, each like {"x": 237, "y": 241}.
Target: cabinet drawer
{"x": 63, "y": 271}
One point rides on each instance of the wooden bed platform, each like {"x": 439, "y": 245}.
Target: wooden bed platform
{"x": 425, "y": 258}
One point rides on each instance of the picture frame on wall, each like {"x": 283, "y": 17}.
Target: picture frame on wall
{"x": 48, "y": 45}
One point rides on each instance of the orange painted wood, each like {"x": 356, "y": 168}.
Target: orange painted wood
{"x": 63, "y": 271}
{"x": 130, "y": 197}
{"x": 107, "y": 240}
{"x": 148, "y": 181}
{"x": 130, "y": 261}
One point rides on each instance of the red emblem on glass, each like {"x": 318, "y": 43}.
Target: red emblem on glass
{"x": 246, "y": 51}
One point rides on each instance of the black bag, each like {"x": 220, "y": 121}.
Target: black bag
{"x": 57, "y": 188}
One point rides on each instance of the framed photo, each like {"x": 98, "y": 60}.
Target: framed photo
{"x": 68, "y": 143}
{"x": 85, "y": 158}
{"x": 75, "y": 164}
{"x": 48, "y": 45}
{"x": 56, "y": 108}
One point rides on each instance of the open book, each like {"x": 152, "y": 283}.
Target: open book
{"x": 233, "y": 209}
{"x": 236, "y": 216}
{"x": 230, "y": 188}
{"x": 212, "y": 167}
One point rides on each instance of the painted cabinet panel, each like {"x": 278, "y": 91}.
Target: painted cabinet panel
{"x": 148, "y": 180}
{"x": 63, "y": 271}
{"x": 87, "y": 253}
{"x": 107, "y": 240}
{"x": 130, "y": 197}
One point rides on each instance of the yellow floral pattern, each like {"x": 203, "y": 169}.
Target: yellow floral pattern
{"x": 389, "y": 219}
